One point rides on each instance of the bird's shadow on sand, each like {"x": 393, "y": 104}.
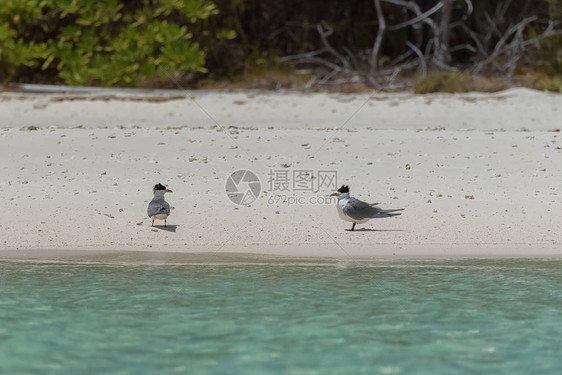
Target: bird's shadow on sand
{"x": 167, "y": 228}
{"x": 375, "y": 230}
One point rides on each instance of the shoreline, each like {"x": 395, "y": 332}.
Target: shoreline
{"x": 521, "y": 110}
{"x": 465, "y": 189}
{"x": 288, "y": 252}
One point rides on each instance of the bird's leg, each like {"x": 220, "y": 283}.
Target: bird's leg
{"x": 353, "y": 227}
{"x": 152, "y": 221}
{"x": 164, "y": 223}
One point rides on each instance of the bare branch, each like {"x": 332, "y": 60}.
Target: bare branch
{"x": 325, "y": 31}
{"x": 310, "y": 58}
{"x": 301, "y": 56}
{"x": 311, "y": 82}
{"x": 499, "y": 48}
{"x": 492, "y": 44}
{"x": 442, "y": 54}
{"x": 402, "y": 57}
{"x": 352, "y": 57}
{"x": 499, "y": 15}
{"x": 412, "y": 6}
{"x": 417, "y": 19}
{"x": 503, "y": 10}
{"x": 493, "y": 27}
{"x": 442, "y": 65}
{"x": 475, "y": 38}
{"x": 465, "y": 46}
{"x": 420, "y": 57}
{"x": 405, "y": 66}
{"x": 469, "y": 6}
{"x": 328, "y": 76}
{"x": 547, "y": 33}
{"x": 374, "y": 60}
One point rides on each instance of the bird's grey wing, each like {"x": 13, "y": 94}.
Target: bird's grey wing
{"x": 158, "y": 207}
{"x": 359, "y": 210}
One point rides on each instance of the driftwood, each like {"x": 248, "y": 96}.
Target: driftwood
{"x": 498, "y": 49}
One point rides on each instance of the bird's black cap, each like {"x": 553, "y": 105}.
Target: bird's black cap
{"x": 344, "y": 189}
{"x": 159, "y": 187}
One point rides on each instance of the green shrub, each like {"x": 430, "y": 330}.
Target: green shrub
{"x": 103, "y": 42}
{"x": 452, "y": 82}
{"x": 449, "y": 82}
{"x": 548, "y": 83}
{"x": 555, "y": 9}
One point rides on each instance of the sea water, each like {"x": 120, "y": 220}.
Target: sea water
{"x": 282, "y": 317}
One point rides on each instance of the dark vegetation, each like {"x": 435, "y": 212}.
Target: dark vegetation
{"x": 431, "y": 45}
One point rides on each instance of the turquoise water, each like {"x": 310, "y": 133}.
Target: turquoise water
{"x": 282, "y": 317}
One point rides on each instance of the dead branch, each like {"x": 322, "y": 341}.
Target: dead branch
{"x": 469, "y": 7}
{"x": 420, "y": 57}
{"x": 472, "y": 34}
{"x": 550, "y": 31}
{"x": 394, "y": 70}
{"x": 325, "y": 31}
{"x": 312, "y": 57}
{"x": 439, "y": 33}
{"x": 443, "y": 55}
{"x": 374, "y": 60}
{"x": 464, "y": 46}
{"x": 402, "y": 57}
{"x": 352, "y": 58}
{"x": 419, "y": 18}
{"x": 499, "y": 18}
{"x": 301, "y": 56}
{"x": 499, "y": 48}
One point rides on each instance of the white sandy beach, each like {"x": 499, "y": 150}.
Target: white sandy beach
{"x": 478, "y": 174}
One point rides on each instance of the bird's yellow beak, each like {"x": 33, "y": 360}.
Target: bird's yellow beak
{"x": 333, "y": 195}
{"x": 169, "y": 191}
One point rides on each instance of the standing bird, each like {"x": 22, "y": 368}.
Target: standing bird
{"x": 356, "y": 211}
{"x": 158, "y": 208}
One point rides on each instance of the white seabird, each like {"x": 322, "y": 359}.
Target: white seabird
{"x": 356, "y": 211}
{"x": 158, "y": 208}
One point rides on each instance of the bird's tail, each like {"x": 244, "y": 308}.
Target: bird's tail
{"x": 392, "y": 212}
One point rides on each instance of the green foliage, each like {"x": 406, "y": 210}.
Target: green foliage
{"x": 106, "y": 42}
{"x": 549, "y": 53}
{"x": 548, "y": 83}
{"x": 453, "y": 82}
{"x": 555, "y": 9}
{"x": 449, "y": 82}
